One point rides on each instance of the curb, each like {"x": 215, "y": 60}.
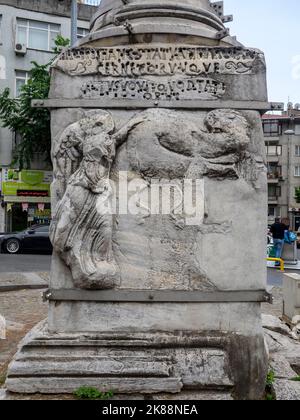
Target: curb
{"x": 17, "y": 287}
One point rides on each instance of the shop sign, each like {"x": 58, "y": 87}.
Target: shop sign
{"x": 26, "y": 183}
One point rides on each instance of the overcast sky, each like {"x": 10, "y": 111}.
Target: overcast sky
{"x": 274, "y": 27}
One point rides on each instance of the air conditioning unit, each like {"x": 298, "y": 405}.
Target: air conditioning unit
{"x": 21, "y": 49}
{"x": 291, "y": 297}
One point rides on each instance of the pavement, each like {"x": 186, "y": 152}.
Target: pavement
{"x": 22, "y": 310}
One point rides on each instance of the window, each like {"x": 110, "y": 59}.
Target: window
{"x": 274, "y": 192}
{"x": 297, "y": 129}
{"x": 274, "y": 171}
{"x": 297, "y": 171}
{"x": 82, "y": 32}
{"x": 37, "y": 35}
{"x": 21, "y": 80}
{"x": 274, "y": 150}
{"x": 272, "y": 129}
{"x": 274, "y": 212}
{"x": 297, "y": 151}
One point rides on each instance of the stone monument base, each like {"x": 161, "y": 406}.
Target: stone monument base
{"x": 160, "y": 365}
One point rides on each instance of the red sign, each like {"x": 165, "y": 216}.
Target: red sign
{"x": 28, "y": 193}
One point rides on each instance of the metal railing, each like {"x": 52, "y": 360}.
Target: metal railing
{"x": 277, "y": 260}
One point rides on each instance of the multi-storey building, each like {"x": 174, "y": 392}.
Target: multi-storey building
{"x": 28, "y": 29}
{"x": 282, "y": 139}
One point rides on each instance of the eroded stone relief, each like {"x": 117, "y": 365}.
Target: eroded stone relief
{"x": 160, "y": 144}
{"x": 80, "y": 234}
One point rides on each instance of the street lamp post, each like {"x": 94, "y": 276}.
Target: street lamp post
{"x": 289, "y": 133}
{"x": 74, "y": 18}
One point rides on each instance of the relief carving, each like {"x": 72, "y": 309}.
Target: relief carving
{"x": 80, "y": 233}
{"x": 161, "y": 144}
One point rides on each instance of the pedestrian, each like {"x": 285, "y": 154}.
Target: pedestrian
{"x": 278, "y": 230}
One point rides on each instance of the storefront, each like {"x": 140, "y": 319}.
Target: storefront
{"x": 26, "y": 198}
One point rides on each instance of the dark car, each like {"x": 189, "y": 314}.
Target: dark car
{"x": 34, "y": 239}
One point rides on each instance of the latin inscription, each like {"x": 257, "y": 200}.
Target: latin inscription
{"x": 156, "y": 72}
{"x": 156, "y": 61}
{"x": 198, "y": 88}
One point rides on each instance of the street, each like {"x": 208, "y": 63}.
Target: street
{"x": 41, "y": 263}
{"x": 24, "y": 263}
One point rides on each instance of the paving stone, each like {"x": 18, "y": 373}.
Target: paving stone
{"x": 287, "y": 390}
{"x": 273, "y": 323}
{"x": 282, "y": 368}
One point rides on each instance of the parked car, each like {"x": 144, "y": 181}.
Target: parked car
{"x": 34, "y": 239}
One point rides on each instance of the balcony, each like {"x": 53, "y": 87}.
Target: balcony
{"x": 274, "y": 177}
{"x": 272, "y": 200}
{"x": 272, "y": 138}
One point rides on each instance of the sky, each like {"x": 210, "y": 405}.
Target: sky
{"x": 274, "y": 27}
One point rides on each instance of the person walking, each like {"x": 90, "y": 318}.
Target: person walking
{"x": 278, "y": 230}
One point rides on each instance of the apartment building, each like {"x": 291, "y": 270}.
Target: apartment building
{"x": 282, "y": 140}
{"x": 28, "y": 29}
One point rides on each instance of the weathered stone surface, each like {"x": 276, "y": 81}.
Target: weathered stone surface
{"x": 287, "y": 390}
{"x": 132, "y": 363}
{"x": 273, "y": 323}
{"x": 160, "y": 251}
{"x": 279, "y": 343}
{"x": 3, "y": 395}
{"x": 282, "y": 368}
{"x": 195, "y": 396}
{"x": 108, "y": 317}
{"x": 285, "y": 348}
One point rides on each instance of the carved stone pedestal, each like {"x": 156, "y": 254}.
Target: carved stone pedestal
{"x": 139, "y": 364}
{"x": 159, "y": 210}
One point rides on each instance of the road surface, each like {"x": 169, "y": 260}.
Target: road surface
{"x": 40, "y": 263}
{"x": 24, "y": 263}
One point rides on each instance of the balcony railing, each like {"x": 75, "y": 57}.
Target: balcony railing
{"x": 274, "y": 175}
{"x": 273, "y": 199}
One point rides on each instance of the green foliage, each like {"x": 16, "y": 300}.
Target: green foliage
{"x": 270, "y": 378}
{"x": 61, "y": 43}
{"x": 87, "y": 393}
{"x": 31, "y": 125}
{"x": 269, "y": 396}
{"x": 297, "y": 379}
{"x": 297, "y": 195}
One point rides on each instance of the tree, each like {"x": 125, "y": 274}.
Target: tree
{"x": 297, "y": 195}
{"x": 31, "y": 125}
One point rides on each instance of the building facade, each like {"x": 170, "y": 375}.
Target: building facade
{"x": 282, "y": 139}
{"x": 28, "y": 29}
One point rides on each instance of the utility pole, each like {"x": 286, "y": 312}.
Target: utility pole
{"x": 74, "y": 18}
{"x": 289, "y": 133}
